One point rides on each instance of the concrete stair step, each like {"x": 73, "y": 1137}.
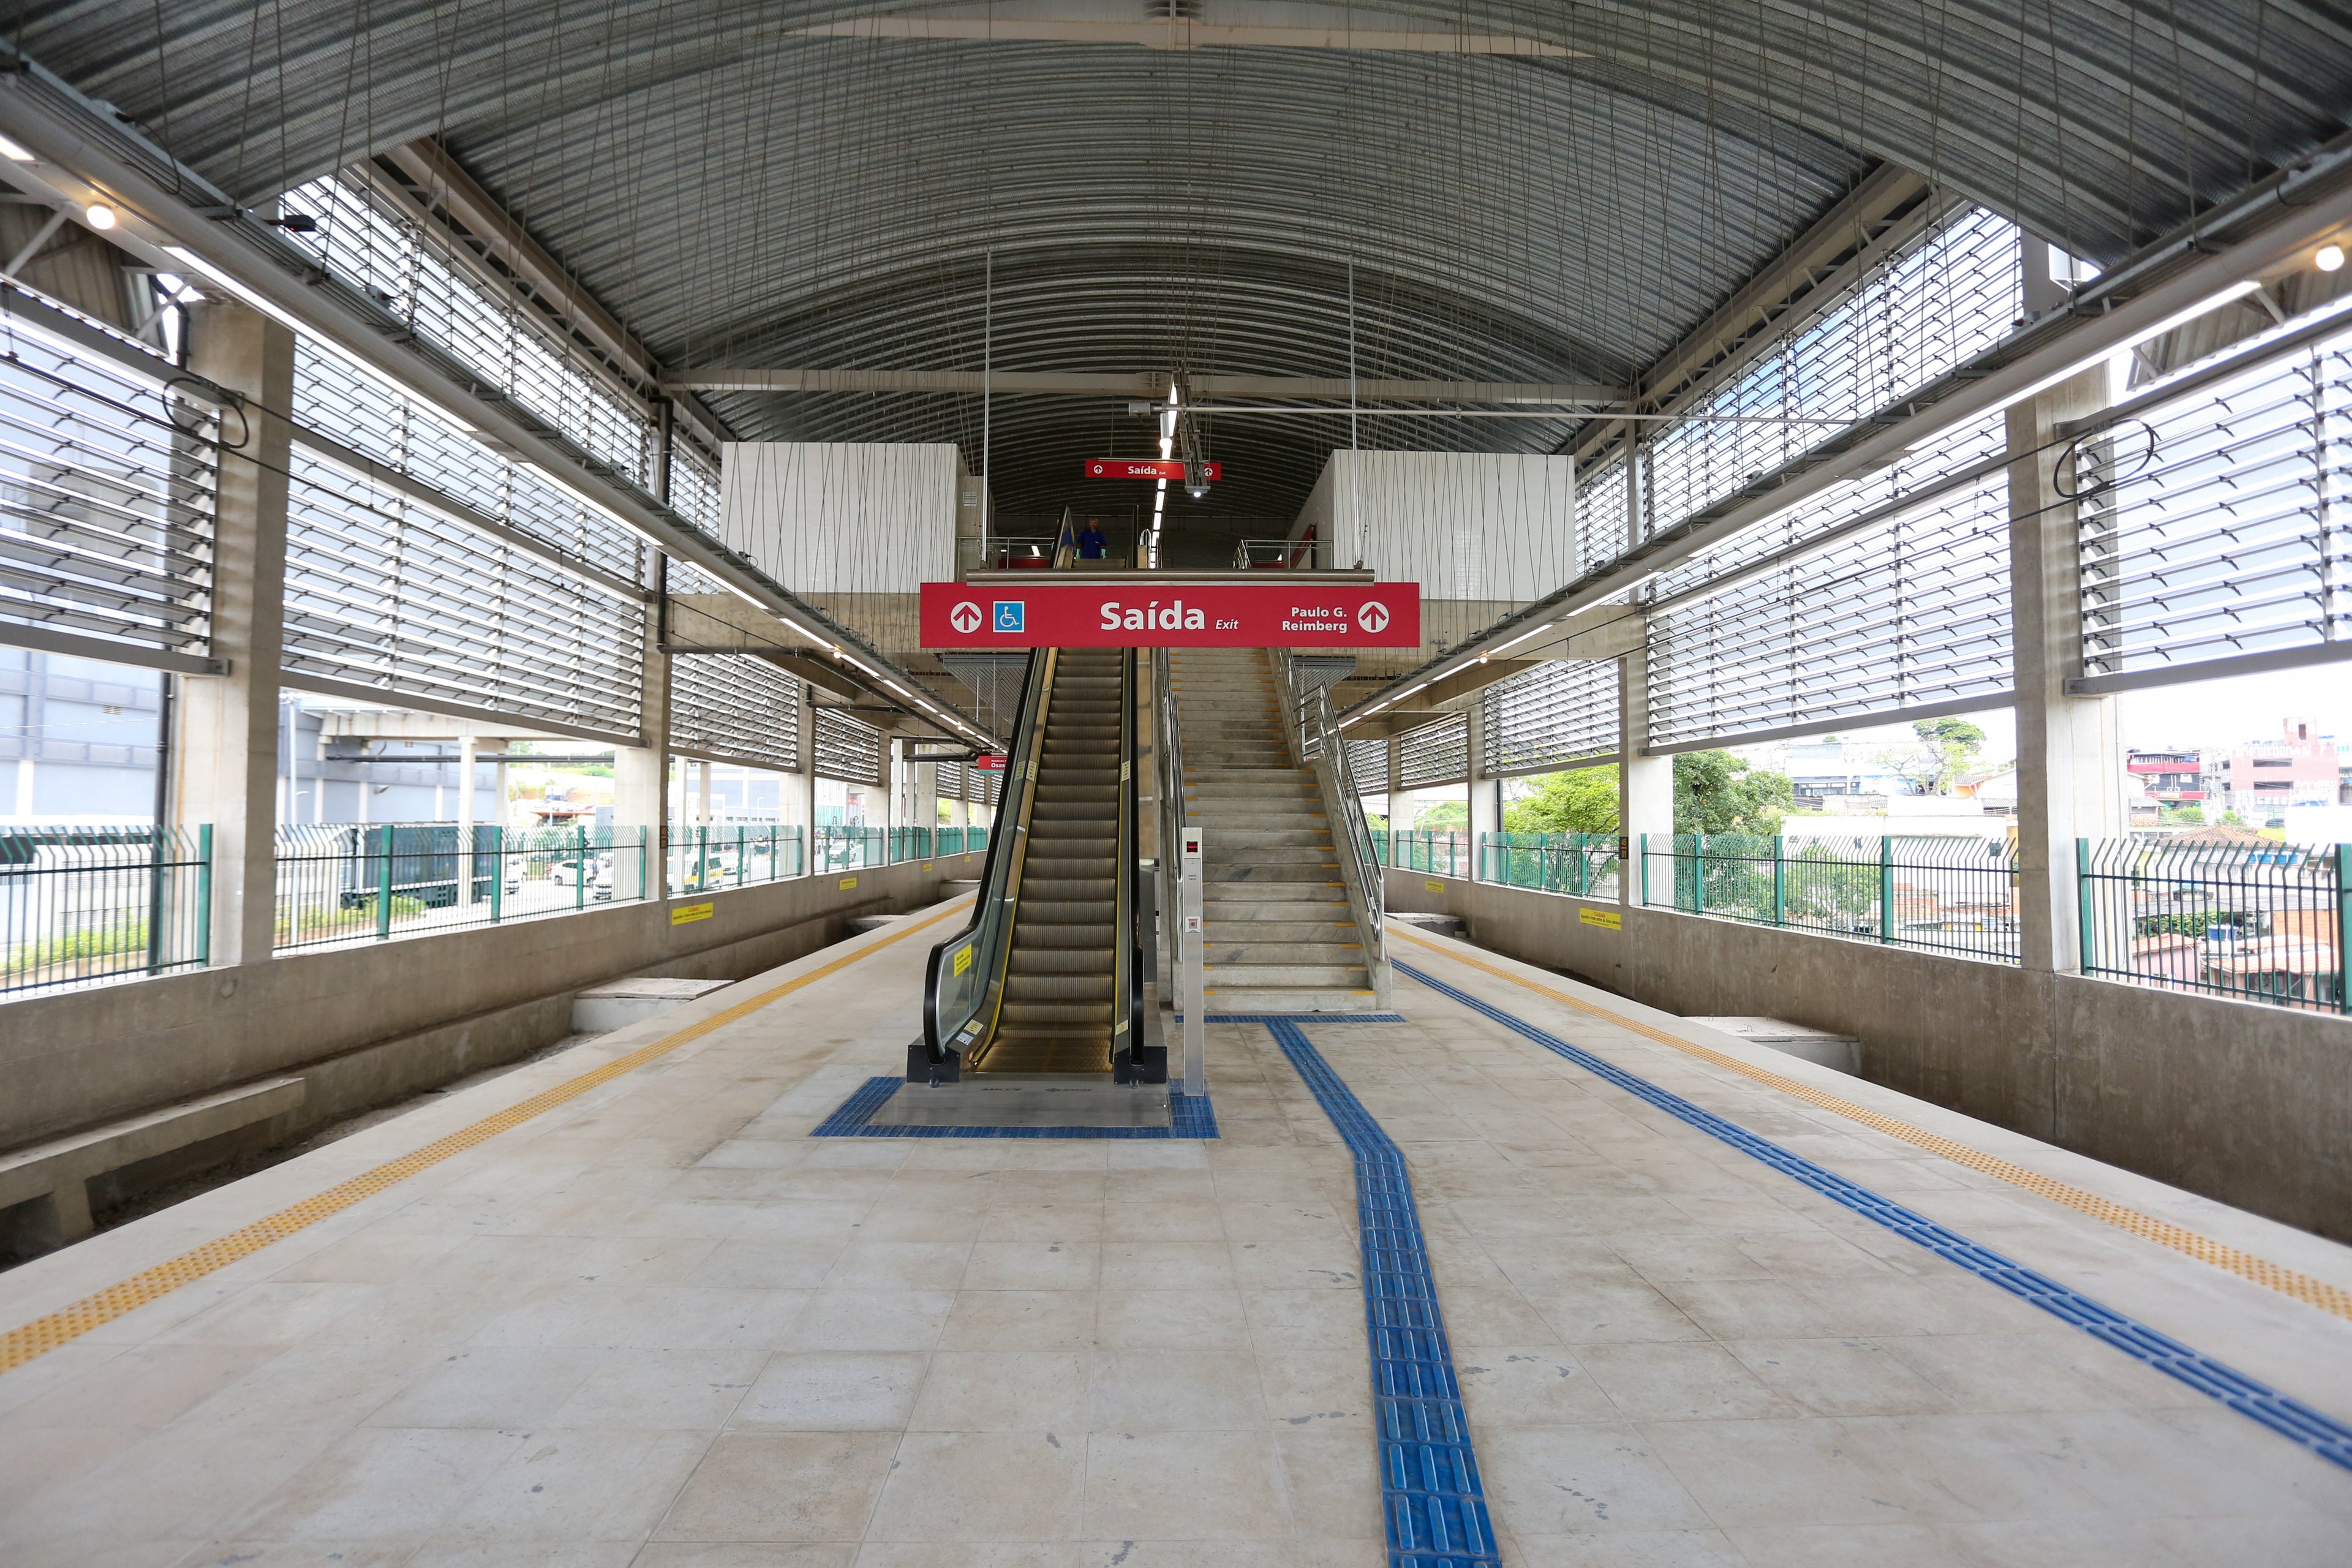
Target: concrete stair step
{"x": 1266, "y": 976}
{"x": 1246, "y": 925}
{"x": 1227, "y": 952}
{"x": 1238, "y": 999}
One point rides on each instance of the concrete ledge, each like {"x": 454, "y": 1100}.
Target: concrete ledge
{"x": 2243, "y": 1103}
{"x": 363, "y": 1025}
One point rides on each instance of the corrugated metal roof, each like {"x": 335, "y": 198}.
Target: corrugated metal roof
{"x": 739, "y": 192}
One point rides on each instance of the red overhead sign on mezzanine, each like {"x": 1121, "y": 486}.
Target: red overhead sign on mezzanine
{"x": 1139, "y": 615}
{"x": 1170, "y": 468}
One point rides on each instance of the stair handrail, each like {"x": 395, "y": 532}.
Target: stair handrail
{"x": 1168, "y": 745}
{"x": 1315, "y": 730}
{"x": 986, "y": 938}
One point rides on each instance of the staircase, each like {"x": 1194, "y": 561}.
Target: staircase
{"x": 1278, "y": 933}
{"x": 1057, "y": 1012}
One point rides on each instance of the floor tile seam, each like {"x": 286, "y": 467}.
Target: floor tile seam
{"x": 1407, "y": 1512}
{"x": 2323, "y": 1436}
{"x": 2258, "y": 1271}
{"x": 72, "y": 1322}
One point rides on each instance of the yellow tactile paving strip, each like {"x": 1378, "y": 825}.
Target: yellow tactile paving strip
{"x": 2148, "y": 1228}
{"x": 45, "y": 1334}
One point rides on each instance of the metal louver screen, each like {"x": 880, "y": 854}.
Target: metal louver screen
{"x": 2217, "y": 526}
{"x": 1554, "y": 715}
{"x": 847, "y": 748}
{"x": 378, "y": 420}
{"x": 1905, "y": 615}
{"x": 106, "y": 504}
{"x": 385, "y": 594}
{"x": 735, "y": 708}
{"x": 694, "y": 488}
{"x": 1436, "y": 753}
{"x": 1368, "y": 764}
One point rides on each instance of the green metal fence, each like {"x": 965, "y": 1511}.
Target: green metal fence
{"x": 1581, "y": 865}
{"x": 1445, "y": 852}
{"x": 2262, "y": 922}
{"x": 846, "y": 848}
{"x": 361, "y": 883}
{"x": 959, "y": 840}
{"x": 704, "y": 859}
{"x": 80, "y": 905}
{"x": 1955, "y": 895}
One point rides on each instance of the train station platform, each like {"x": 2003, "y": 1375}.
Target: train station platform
{"x": 1638, "y": 1293}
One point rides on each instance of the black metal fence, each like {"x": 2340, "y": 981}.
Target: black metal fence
{"x": 1952, "y": 895}
{"x": 84, "y": 904}
{"x": 2261, "y": 922}
{"x": 361, "y": 883}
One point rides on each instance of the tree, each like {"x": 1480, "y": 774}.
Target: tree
{"x": 1581, "y": 801}
{"x": 1953, "y": 742}
{"x": 1715, "y": 791}
{"x": 1444, "y": 814}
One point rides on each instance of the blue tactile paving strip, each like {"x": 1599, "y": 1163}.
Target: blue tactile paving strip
{"x": 1434, "y": 1506}
{"x": 1190, "y": 1116}
{"x": 2323, "y": 1435}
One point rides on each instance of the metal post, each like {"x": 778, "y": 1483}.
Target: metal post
{"x": 204, "y": 893}
{"x": 580, "y": 872}
{"x": 1698, "y": 873}
{"x": 498, "y": 872}
{"x": 645, "y": 862}
{"x": 1779, "y": 879}
{"x": 740, "y": 833}
{"x": 382, "y": 879}
{"x": 1192, "y": 943}
{"x": 1642, "y": 844}
{"x": 2342, "y": 926}
{"x": 1887, "y": 887}
{"x": 2083, "y": 905}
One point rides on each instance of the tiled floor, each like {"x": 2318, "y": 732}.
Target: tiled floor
{"x": 661, "y": 1325}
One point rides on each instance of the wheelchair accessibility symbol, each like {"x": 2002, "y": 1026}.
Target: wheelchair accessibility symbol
{"x": 1373, "y": 617}
{"x": 965, "y": 618}
{"x": 1010, "y": 614}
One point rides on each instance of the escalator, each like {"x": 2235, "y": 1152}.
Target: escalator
{"x": 1047, "y": 984}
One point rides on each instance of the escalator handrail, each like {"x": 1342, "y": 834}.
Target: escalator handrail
{"x": 1006, "y": 836}
{"x": 1126, "y": 948}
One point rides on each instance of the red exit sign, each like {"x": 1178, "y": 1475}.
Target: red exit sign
{"x": 1147, "y": 468}
{"x": 1135, "y": 613}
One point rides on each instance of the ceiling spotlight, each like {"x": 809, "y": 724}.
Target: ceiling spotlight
{"x": 2330, "y": 258}
{"x": 100, "y": 215}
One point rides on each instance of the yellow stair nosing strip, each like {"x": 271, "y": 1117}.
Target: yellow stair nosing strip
{"x": 70, "y": 1322}
{"x": 2148, "y": 1228}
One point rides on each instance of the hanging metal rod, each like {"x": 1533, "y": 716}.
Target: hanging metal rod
{"x": 1569, "y": 412}
{"x": 1150, "y": 384}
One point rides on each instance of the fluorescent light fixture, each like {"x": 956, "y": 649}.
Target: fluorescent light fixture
{"x": 13, "y": 152}
{"x": 2211, "y": 302}
{"x": 2328, "y": 258}
{"x": 99, "y": 216}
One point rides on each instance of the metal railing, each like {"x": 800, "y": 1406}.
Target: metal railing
{"x": 2263, "y": 922}
{"x": 1275, "y": 556}
{"x": 1444, "y": 851}
{"x": 1956, "y": 895}
{"x": 702, "y": 858}
{"x": 840, "y": 847}
{"x": 1314, "y": 730}
{"x": 80, "y": 905}
{"x": 1581, "y": 865}
{"x": 369, "y": 882}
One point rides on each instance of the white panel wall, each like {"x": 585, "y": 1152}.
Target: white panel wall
{"x": 844, "y": 517}
{"x": 1481, "y": 526}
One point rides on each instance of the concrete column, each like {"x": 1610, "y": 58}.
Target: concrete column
{"x": 1645, "y": 783}
{"x": 226, "y": 751}
{"x": 927, "y": 797}
{"x": 805, "y": 776}
{"x": 1486, "y": 794}
{"x": 641, "y": 773}
{"x": 468, "y": 750}
{"x": 2069, "y": 771}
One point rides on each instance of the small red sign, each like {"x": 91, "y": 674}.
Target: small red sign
{"x": 1137, "y": 614}
{"x": 993, "y": 763}
{"x": 1148, "y": 469}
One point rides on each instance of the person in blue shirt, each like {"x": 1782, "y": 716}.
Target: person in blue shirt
{"x": 1092, "y": 545}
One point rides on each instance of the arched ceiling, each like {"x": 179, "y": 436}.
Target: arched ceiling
{"x": 749, "y": 182}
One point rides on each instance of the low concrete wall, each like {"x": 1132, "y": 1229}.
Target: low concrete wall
{"x": 2247, "y": 1104}
{"x": 363, "y": 1025}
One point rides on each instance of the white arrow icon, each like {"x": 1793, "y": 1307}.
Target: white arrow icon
{"x": 1373, "y": 617}
{"x": 965, "y": 618}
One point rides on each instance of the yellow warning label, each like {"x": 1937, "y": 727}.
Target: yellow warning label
{"x": 682, "y": 913}
{"x": 963, "y": 958}
{"x": 1607, "y": 919}
{"x": 1435, "y": 887}
{"x": 847, "y": 883}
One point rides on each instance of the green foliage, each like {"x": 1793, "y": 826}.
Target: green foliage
{"x": 2231, "y": 819}
{"x": 1715, "y": 791}
{"x": 2183, "y": 816}
{"x": 1444, "y": 814}
{"x": 1376, "y": 821}
{"x": 1581, "y": 801}
{"x": 126, "y": 935}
